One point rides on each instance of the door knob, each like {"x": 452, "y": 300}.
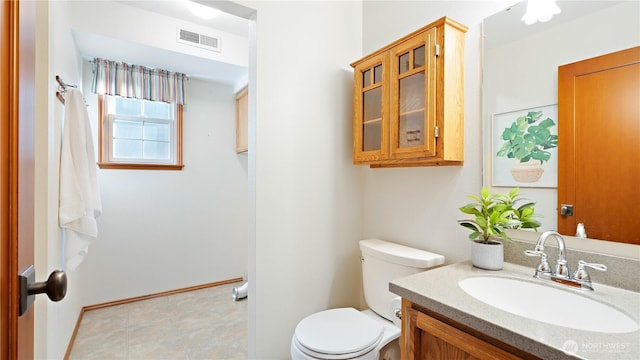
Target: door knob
{"x": 566, "y": 209}
{"x": 55, "y": 287}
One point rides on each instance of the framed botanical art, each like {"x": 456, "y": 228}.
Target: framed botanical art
{"x": 524, "y": 148}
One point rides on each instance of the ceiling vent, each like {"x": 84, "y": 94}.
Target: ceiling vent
{"x": 200, "y": 40}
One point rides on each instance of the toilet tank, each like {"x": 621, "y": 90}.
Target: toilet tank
{"x": 384, "y": 261}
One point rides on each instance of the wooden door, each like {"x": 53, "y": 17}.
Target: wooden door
{"x": 599, "y": 145}
{"x": 17, "y": 71}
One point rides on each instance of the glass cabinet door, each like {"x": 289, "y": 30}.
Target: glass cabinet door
{"x": 371, "y": 121}
{"x": 372, "y": 109}
{"x": 413, "y": 98}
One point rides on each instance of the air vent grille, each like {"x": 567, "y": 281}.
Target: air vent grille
{"x": 200, "y": 40}
{"x": 209, "y": 41}
{"x": 189, "y": 36}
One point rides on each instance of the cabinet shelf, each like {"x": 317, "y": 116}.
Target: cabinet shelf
{"x": 366, "y": 122}
{"x": 412, "y": 112}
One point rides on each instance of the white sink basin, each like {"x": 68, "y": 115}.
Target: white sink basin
{"x": 548, "y": 304}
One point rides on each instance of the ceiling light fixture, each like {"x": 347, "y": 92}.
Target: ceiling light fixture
{"x": 201, "y": 11}
{"x": 540, "y": 10}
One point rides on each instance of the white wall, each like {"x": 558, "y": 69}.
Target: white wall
{"x": 56, "y": 55}
{"x": 153, "y": 30}
{"x": 304, "y": 253}
{"x": 165, "y": 230}
{"x": 419, "y": 206}
{"x": 160, "y": 230}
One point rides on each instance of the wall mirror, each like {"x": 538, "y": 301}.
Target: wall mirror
{"x": 520, "y": 79}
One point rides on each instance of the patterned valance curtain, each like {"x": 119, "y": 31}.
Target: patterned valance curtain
{"x": 135, "y": 81}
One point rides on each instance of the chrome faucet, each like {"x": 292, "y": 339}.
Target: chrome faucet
{"x": 561, "y": 272}
{"x": 561, "y": 269}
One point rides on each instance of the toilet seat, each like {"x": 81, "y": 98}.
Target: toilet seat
{"x": 342, "y": 333}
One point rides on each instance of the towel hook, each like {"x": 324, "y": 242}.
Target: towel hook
{"x": 62, "y": 88}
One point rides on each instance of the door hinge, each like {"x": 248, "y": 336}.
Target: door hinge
{"x": 437, "y": 49}
{"x": 437, "y": 132}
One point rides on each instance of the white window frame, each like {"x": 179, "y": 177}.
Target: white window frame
{"x": 105, "y": 138}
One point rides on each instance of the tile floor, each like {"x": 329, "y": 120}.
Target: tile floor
{"x": 200, "y": 324}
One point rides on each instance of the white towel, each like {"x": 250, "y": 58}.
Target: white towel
{"x": 79, "y": 194}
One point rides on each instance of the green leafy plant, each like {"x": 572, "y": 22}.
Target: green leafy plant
{"x": 529, "y": 137}
{"x": 494, "y": 213}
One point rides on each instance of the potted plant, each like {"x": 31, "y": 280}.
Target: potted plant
{"x": 492, "y": 215}
{"x": 528, "y": 140}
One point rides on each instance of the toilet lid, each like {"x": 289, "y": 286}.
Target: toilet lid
{"x": 338, "y": 331}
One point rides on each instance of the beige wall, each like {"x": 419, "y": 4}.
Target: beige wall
{"x": 303, "y": 247}
{"x": 419, "y": 206}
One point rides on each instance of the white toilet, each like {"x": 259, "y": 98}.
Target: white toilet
{"x": 347, "y": 333}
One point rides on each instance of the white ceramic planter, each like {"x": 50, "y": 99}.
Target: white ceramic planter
{"x": 489, "y": 256}
{"x": 528, "y": 172}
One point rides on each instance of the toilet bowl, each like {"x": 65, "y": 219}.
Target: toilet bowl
{"x": 343, "y": 333}
{"x": 346, "y": 333}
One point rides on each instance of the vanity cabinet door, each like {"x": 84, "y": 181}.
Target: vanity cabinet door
{"x": 426, "y": 338}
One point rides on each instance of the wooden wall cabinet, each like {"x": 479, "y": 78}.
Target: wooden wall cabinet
{"x": 426, "y": 337}
{"x": 409, "y": 100}
{"x": 242, "y": 118}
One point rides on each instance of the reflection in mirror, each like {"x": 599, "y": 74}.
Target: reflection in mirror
{"x": 520, "y": 75}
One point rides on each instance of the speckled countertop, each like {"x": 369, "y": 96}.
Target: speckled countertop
{"x": 438, "y": 290}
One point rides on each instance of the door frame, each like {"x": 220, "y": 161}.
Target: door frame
{"x": 17, "y": 31}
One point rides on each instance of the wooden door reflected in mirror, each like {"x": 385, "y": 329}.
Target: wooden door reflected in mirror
{"x": 599, "y": 150}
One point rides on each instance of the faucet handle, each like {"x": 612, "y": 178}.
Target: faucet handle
{"x": 599, "y": 267}
{"x": 582, "y": 276}
{"x": 534, "y": 253}
{"x": 543, "y": 267}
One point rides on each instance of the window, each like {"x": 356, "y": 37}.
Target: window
{"x": 139, "y": 134}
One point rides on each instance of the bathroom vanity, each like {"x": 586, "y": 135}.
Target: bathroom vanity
{"x": 429, "y": 335}
{"x": 441, "y": 320}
